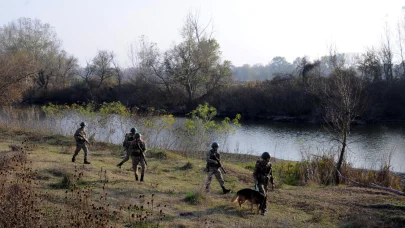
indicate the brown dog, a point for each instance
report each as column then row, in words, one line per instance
column 247, row 194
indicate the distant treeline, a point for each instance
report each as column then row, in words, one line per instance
column 34, row 69
column 281, row 99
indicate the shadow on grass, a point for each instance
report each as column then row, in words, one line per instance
column 225, row 210
column 382, row 220
column 57, row 140
column 187, row 166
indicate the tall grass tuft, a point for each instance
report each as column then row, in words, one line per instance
column 193, row 198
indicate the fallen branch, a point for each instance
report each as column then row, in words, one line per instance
column 388, row 189
column 372, row 185
column 387, row 206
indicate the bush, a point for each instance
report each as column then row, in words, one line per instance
column 159, row 154
column 193, row 198
column 64, row 183
column 288, row 172
column 250, row 167
column 187, row 166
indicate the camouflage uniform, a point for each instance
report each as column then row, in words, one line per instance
column 80, row 138
column 262, row 174
column 213, row 168
column 136, row 147
column 127, row 141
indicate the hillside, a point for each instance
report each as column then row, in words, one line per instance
column 40, row 186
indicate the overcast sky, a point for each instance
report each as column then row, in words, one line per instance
column 249, row 31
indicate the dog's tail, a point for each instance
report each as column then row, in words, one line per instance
column 235, row 198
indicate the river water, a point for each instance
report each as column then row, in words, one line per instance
column 369, row 145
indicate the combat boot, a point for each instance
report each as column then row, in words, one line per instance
column 136, row 177
column 142, row 178
column 263, row 207
column 73, row 159
column 119, row 165
column 86, row 162
column 225, row 190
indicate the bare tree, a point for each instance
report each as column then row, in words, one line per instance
column 369, row 64
column 87, row 73
column 195, row 64
column 400, row 44
column 387, row 54
column 148, row 67
column 47, row 70
column 103, row 67
column 341, row 96
column 119, row 75
column 66, row 66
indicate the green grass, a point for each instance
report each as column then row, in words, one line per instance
column 193, row 198
column 172, row 194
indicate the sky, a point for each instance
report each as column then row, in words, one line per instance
column 248, row 31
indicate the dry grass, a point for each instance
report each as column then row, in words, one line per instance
column 40, row 186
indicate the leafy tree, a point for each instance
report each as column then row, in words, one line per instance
column 201, row 128
column 39, row 42
column 15, row 70
column 280, row 65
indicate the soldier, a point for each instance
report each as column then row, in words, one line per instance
column 81, row 140
column 128, row 138
column 263, row 174
column 213, row 168
column 136, row 150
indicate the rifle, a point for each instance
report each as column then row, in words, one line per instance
column 87, row 141
column 142, row 155
column 220, row 164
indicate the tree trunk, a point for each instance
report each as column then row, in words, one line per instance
column 403, row 69
column 341, row 156
column 190, row 97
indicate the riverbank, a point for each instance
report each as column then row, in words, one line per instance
column 72, row 193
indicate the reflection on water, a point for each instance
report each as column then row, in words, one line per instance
column 368, row 144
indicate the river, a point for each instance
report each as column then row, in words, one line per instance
column 368, row 146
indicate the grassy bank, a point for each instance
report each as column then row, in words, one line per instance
column 41, row 186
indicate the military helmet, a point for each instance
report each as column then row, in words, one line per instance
column 214, row 145
column 83, row 124
column 138, row 135
column 265, row 155
column 133, row 130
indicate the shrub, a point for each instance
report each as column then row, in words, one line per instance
column 193, row 198
column 250, row 167
column 187, row 166
column 64, row 183
column 287, row 172
column 159, row 154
